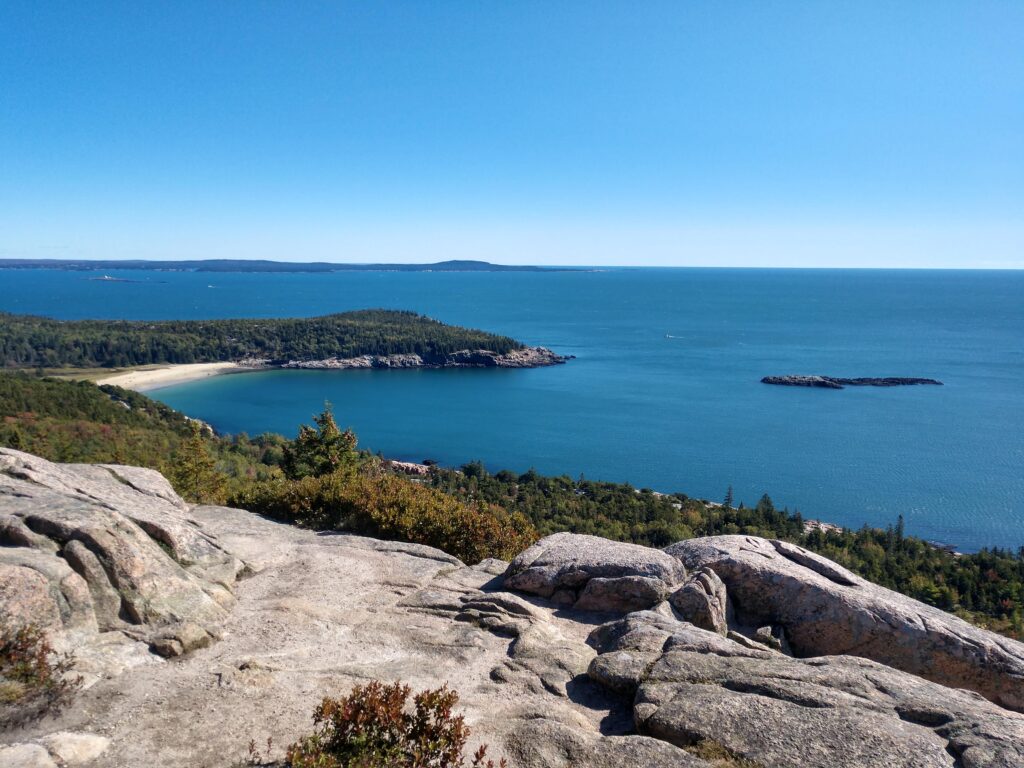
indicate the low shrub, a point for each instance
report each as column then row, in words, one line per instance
column 391, row 507
column 375, row 726
column 34, row 679
column 387, row 506
column 312, row 502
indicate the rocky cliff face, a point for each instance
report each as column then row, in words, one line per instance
column 581, row 652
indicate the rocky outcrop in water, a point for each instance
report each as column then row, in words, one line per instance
column 832, row 382
column 727, row 651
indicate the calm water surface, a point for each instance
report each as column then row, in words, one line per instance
column 665, row 389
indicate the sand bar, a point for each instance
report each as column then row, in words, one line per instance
column 145, row 379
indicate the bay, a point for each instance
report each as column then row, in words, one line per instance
column 664, row 391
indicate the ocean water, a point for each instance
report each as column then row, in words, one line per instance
column 665, row 390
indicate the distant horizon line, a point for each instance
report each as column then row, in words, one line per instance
column 468, row 265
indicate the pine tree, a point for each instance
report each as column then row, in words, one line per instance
column 15, row 439
column 193, row 471
column 319, row 451
column 728, row 499
column 117, row 452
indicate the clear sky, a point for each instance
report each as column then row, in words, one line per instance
column 693, row 133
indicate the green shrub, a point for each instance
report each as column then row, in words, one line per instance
column 391, row 507
column 312, row 502
column 375, row 727
column 34, row 679
column 193, row 471
column 319, row 450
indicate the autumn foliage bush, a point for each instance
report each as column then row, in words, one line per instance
column 391, row 507
column 375, row 726
column 34, row 679
column 387, row 506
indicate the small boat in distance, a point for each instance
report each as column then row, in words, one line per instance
column 110, row 279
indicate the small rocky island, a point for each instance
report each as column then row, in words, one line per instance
column 832, row 382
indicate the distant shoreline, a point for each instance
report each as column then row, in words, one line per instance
column 266, row 266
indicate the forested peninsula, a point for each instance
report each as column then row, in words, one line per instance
column 364, row 338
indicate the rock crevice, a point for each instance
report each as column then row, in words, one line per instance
column 118, row 552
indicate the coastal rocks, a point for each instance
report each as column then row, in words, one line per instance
column 543, row 660
column 704, row 602
column 26, row 756
column 256, row 363
column 527, row 357
column 65, row 589
column 621, row 594
column 710, row 695
column 409, row 468
column 831, row 382
column 543, row 742
column 75, row 748
column 322, row 612
column 825, row 610
column 95, row 549
column 539, row 678
column 363, row 361
column 591, row 573
column 63, row 749
column 503, row 613
column 25, row 597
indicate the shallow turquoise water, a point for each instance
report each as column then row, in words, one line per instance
column 665, row 389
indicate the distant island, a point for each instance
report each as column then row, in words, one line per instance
column 374, row 338
column 260, row 265
column 832, row 382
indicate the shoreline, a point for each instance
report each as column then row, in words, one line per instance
column 149, row 379
column 152, row 377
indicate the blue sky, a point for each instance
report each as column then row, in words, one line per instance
column 691, row 133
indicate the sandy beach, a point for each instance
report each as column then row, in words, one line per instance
column 145, row 379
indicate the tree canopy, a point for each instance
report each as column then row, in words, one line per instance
column 28, row 341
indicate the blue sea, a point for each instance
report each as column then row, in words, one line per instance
column 664, row 391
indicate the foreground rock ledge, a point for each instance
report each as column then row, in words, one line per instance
column 554, row 660
column 824, row 610
column 104, row 555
